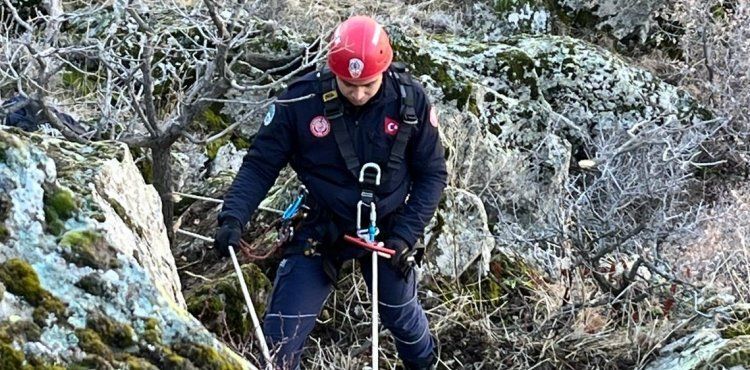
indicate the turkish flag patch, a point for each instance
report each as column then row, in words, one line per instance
column 390, row 126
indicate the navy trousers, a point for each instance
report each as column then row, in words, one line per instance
column 301, row 288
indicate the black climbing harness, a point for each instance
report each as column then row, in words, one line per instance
column 334, row 112
column 370, row 175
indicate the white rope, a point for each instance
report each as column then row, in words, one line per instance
column 253, row 315
column 194, row 235
column 248, row 301
column 219, row 201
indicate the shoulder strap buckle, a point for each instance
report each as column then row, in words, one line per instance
column 409, row 115
column 330, row 95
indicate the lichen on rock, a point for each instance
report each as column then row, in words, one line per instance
column 53, row 282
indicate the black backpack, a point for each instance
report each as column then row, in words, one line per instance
column 31, row 116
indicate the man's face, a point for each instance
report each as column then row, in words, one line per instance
column 359, row 93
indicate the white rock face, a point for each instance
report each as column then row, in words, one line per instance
column 464, row 237
column 138, row 285
column 622, row 16
column 228, row 158
column 133, row 222
column 708, row 347
column 518, row 117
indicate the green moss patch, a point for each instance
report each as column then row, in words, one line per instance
column 420, row 63
column 520, row 69
column 5, row 207
column 219, row 304
column 23, row 330
column 3, row 152
column 213, row 147
column 91, row 362
column 152, row 332
column 50, row 305
column 110, row 342
column 165, row 358
column 137, row 363
column 10, row 358
column 737, row 329
column 88, row 248
column 61, row 202
column 92, row 343
column 20, row 279
column 737, row 355
column 206, row 357
column 113, row 333
column 4, row 233
column 59, row 205
column 48, row 367
column 78, row 81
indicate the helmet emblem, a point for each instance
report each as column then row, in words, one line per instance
column 356, row 67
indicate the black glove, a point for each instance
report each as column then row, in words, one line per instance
column 403, row 260
column 229, row 233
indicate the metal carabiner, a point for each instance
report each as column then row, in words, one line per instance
column 367, row 166
column 371, row 231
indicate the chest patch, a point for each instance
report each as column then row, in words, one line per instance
column 320, row 127
column 390, row 126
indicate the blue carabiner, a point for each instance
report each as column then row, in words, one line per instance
column 372, row 230
column 293, row 208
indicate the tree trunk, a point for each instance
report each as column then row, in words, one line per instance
column 162, row 177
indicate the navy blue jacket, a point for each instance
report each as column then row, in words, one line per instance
column 292, row 133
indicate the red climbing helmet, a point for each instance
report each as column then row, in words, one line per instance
column 360, row 49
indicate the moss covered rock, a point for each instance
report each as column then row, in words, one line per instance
column 92, row 343
column 93, row 284
column 20, row 279
column 22, row 330
column 5, row 204
column 61, row 203
column 206, row 357
column 47, row 272
column 10, row 358
column 220, row 304
column 113, row 333
column 88, row 248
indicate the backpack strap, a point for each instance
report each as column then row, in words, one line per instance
column 408, row 116
column 334, row 113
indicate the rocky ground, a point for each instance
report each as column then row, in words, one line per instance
column 594, row 216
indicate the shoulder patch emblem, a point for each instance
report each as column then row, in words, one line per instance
column 269, row 115
column 433, row 117
column 320, row 127
column 390, row 126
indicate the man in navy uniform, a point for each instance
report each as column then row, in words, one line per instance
column 364, row 110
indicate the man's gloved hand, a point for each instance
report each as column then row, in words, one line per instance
column 229, row 233
column 403, row 260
